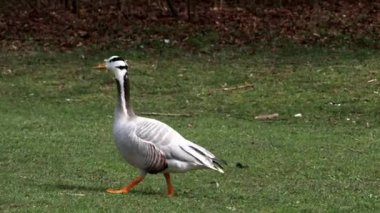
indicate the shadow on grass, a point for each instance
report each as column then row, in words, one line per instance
column 137, row 192
column 60, row 186
column 73, row 187
column 78, row 187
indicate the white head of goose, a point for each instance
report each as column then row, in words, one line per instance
column 148, row 144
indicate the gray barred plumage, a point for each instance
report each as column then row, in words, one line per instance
column 155, row 161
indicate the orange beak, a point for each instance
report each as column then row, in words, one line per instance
column 101, row 66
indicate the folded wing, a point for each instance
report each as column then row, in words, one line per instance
column 163, row 144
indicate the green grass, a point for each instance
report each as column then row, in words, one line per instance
column 57, row 151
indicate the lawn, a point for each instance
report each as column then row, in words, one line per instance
column 57, row 150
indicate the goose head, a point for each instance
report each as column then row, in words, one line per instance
column 117, row 65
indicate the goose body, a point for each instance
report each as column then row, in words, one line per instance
column 148, row 144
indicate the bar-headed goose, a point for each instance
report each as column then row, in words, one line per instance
column 148, row 144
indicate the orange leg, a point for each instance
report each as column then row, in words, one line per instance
column 170, row 185
column 125, row 189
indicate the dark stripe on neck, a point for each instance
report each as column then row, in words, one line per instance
column 118, row 89
column 126, row 95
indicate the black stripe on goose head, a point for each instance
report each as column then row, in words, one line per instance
column 115, row 58
column 122, row 67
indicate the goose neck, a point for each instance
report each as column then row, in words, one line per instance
column 124, row 105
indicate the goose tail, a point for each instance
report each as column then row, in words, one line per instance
column 218, row 165
column 203, row 157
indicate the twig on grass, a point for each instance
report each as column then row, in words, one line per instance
column 267, row 116
column 167, row 114
column 355, row 150
column 238, row 87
